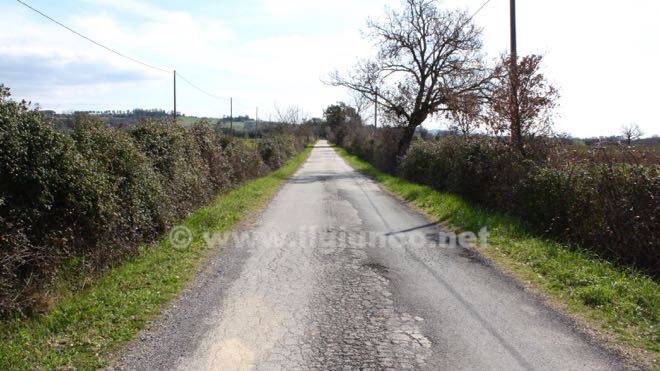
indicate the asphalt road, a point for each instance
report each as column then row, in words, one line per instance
column 336, row 273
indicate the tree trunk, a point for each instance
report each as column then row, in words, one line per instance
column 406, row 138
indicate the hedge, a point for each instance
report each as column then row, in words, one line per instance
column 610, row 207
column 83, row 199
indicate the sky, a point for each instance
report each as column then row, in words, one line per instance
column 602, row 55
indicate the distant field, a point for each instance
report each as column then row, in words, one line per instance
column 190, row 120
column 237, row 126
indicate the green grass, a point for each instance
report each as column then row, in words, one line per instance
column 620, row 304
column 192, row 120
column 249, row 143
column 85, row 328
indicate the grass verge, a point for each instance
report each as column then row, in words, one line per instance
column 619, row 305
column 85, row 328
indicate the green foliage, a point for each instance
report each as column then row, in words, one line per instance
column 54, row 205
column 85, row 328
column 378, row 146
column 245, row 161
column 213, row 157
column 176, row 157
column 341, row 119
column 275, row 150
column 80, row 200
column 609, row 208
column 138, row 198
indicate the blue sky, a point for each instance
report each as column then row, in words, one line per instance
column 602, row 55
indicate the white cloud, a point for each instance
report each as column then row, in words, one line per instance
column 62, row 64
column 307, row 8
column 601, row 54
column 139, row 8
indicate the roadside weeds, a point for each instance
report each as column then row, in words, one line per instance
column 85, row 328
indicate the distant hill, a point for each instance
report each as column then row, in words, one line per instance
column 133, row 117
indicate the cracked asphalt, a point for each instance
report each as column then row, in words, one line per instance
column 336, row 273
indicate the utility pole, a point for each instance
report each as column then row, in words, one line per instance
column 231, row 115
column 376, row 108
column 514, row 47
column 516, row 130
column 174, row 112
column 256, row 121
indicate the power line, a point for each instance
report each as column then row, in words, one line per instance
column 123, row 55
column 92, row 41
column 481, row 7
column 198, row 88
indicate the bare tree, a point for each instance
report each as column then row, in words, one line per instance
column 426, row 56
column 291, row 115
column 363, row 107
column 631, row 132
column 529, row 112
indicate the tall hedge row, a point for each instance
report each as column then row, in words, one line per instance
column 611, row 208
column 84, row 199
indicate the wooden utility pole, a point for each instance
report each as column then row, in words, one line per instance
column 516, row 130
column 376, row 108
column 256, row 120
column 231, row 115
column 514, row 47
column 174, row 112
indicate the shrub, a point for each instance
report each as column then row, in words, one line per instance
column 377, row 146
column 210, row 145
column 177, row 158
column 81, row 199
column 140, row 205
column 52, row 204
column 246, row 163
column 611, row 209
column 276, row 150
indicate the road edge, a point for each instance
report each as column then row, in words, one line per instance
column 591, row 328
column 90, row 329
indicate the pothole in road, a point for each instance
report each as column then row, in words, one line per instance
column 381, row 269
column 471, row 256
